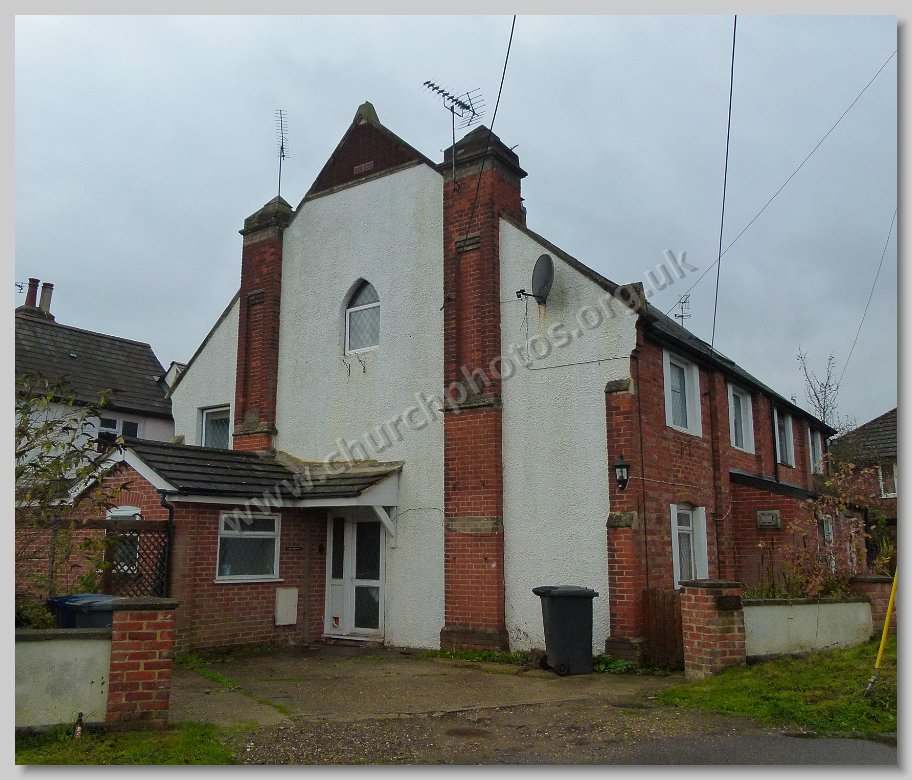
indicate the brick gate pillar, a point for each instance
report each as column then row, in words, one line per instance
column 142, row 651
column 712, row 619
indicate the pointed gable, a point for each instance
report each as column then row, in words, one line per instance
column 366, row 150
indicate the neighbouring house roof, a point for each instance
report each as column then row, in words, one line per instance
column 90, row 362
column 873, row 442
column 664, row 328
column 204, row 471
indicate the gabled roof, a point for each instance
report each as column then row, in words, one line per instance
column 90, row 362
column 205, row 471
column 873, row 442
column 367, row 150
column 663, row 328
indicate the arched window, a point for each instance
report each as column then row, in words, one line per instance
column 362, row 319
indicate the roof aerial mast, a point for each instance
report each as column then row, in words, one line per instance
column 282, row 141
column 469, row 107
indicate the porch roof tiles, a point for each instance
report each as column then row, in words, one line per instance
column 206, row 471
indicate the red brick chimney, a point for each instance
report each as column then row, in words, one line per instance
column 35, row 307
column 258, row 326
column 486, row 184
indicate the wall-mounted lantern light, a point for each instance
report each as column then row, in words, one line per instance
column 622, row 473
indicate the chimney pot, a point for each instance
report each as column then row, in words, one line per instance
column 31, row 297
column 47, row 290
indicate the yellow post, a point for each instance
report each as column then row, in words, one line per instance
column 883, row 636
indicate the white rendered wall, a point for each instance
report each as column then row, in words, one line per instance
column 58, row 678
column 208, row 381
column 388, row 231
column 787, row 628
column 556, row 467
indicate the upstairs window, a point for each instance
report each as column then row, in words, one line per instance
column 815, row 448
column 362, row 320
column 887, row 480
column 109, row 428
column 785, row 449
column 682, row 394
column 215, row 427
column 740, row 419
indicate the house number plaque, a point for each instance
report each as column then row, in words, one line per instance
column 769, row 519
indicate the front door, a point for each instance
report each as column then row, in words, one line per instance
column 354, row 574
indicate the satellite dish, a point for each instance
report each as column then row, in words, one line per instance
column 542, row 277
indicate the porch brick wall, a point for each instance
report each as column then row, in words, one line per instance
column 228, row 614
column 713, row 637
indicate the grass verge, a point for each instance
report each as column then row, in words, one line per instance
column 188, row 743
column 820, row 693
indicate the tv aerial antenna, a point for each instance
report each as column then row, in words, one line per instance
column 684, row 304
column 281, row 124
column 467, row 107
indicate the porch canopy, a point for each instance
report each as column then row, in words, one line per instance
column 260, row 481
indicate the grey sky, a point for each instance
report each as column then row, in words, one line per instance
column 142, row 143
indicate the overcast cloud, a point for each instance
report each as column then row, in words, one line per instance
column 142, row 143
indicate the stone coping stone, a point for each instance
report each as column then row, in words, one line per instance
column 871, row 578
column 45, row 634
column 789, row 602
column 123, row 603
column 711, row 584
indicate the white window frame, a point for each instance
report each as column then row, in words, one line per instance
column 747, row 434
column 815, row 436
column 204, row 413
column 126, row 513
column 117, row 430
column 233, row 533
column 348, row 313
column 790, row 436
column 691, row 394
column 884, row 494
column 698, row 527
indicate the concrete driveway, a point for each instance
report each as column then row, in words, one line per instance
column 355, row 683
column 357, row 705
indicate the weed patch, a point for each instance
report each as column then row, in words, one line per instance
column 188, row 743
column 819, row 692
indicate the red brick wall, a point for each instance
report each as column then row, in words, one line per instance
column 473, row 466
column 225, row 614
column 758, row 552
column 668, row 466
column 713, row 636
column 877, row 589
column 258, row 327
column 139, row 682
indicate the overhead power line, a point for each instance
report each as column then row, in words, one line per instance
column 792, row 176
column 870, row 296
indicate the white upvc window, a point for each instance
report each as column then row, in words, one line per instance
column 785, row 447
column 887, row 472
column 362, row 320
column 215, row 427
column 248, row 547
column 682, row 394
column 815, row 448
column 124, row 553
column 741, row 418
column 688, row 543
column 112, row 427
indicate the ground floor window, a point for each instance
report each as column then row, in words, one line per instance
column 688, row 543
column 248, row 547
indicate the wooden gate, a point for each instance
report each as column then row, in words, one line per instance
column 664, row 637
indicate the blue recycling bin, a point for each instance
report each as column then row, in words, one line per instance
column 83, row 610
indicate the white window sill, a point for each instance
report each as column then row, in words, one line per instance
column 246, row 580
column 698, row 434
column 362, row 351
column 888, row 495
column 741, row 449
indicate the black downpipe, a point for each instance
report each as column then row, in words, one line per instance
column 169, row 543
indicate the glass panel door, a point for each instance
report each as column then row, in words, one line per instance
column 354, row 602
column 368, row 538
